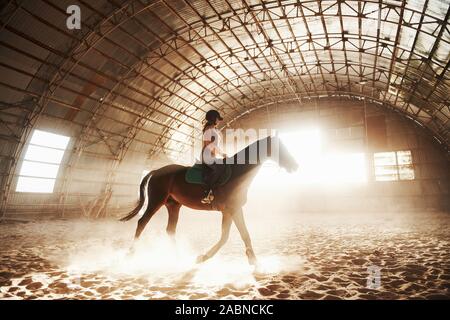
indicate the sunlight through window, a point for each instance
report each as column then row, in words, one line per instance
column 316, row 166
column 41, row 162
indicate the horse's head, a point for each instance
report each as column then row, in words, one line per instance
column 285, row 159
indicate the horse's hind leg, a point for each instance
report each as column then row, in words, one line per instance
column 155, row 201
column 151, row 210
column 173, row 208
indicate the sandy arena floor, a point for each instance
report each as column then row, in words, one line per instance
column 306, row 256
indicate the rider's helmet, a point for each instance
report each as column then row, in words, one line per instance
column 212, row 115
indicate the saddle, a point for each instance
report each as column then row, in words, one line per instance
column 194, row 175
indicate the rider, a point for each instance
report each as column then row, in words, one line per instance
column 211, row 151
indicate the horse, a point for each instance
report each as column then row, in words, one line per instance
column 167, row 186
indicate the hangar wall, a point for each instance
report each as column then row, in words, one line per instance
column 341, row 122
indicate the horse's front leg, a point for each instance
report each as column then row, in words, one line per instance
column 238, row 218
column 226, row 224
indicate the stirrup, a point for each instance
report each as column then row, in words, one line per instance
column 209, row 198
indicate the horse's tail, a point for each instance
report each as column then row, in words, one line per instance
column 141, row 202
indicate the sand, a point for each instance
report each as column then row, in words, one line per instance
column 302, row 256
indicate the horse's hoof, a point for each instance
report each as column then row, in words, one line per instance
column 253, row 261
column 251, row 257
column 201, row 258
column 131, row 251
column 257, row 269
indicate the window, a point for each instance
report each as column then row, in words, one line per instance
column 41, row 162
column 393, row 166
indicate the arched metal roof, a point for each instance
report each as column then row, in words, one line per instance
column 148, row 70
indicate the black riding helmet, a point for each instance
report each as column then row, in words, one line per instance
column 212, row 115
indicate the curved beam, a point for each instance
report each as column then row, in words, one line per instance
column 289, row 98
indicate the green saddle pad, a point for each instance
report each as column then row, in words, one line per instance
column 194, row 175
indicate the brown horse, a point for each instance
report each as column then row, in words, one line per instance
column 167, row 186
